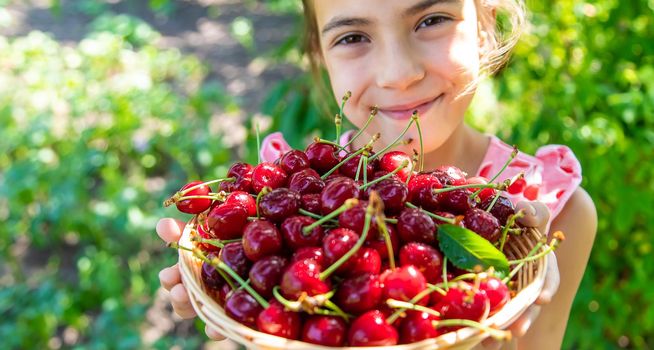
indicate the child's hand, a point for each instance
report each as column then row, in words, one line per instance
column 536, row 215
column 170, row 230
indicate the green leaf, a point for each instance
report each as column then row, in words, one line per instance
column 466, row 249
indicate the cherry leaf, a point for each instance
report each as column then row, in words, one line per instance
column 466, row 249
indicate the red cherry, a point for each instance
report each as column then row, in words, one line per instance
column 277, row 321
column 418, row 326
column 393, row 159
column 261, row 238
column 267, row 175
column 295, row 238
column 311, row 203
column 414, row 225
column 371, row 329
column 324, row 330
column 456, row 201
column 242, row 172
column 393, row 193
column 204, row 232
column 279, row 204
column 464, row 302
column 233, row 256
column 403, row 283
column 243, row 308
column 360, row 293
column 227, row 221
column 195, row 205
column 354, row 219
column 454, row 175
column 484, row 193
column 243, row 199
column 306, row 181
column 336, row 193
column 303, row 276
column 294, row 161
column 210, row 276
column 425, row 258
column 365, row 260
column 336, row 243
column 378, row 242
column 266, row 274
column 421, row 192
column 483, row 223
column 350, row 167
column 314, row 253
column 502, row 209
column 322, row 156
column 497, row 292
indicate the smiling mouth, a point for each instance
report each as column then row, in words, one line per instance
column 404, row 112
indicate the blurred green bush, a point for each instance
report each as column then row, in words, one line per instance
column 95, row 136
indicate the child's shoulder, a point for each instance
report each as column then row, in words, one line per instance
column 552, row 175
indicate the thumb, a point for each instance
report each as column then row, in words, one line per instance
column 170, row 230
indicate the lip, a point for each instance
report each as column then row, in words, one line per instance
column 405, row 111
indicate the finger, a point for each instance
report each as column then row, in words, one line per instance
column 212, row 333
column 489, row 344
column 520, row 326
column 536, row 214
column 552, row 280
column 170, row 230
column 181, row 303
column 169, row 277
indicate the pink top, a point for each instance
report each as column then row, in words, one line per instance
column 551, row 176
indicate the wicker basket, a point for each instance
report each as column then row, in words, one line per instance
column 529, row 284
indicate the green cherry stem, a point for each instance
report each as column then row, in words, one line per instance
column 381, row 223
column 324, row 176
column 447, row 287
column 497, row 334
column 416, row 119
column 309, row 214
column 338, row 120
column 435, row 216
column 359, row 166
column 397, row 140
column 220, row 243
column 347, row 205
column 509, row 223
column 498, row 186
column 179, row 195
column 365, row 169
column 514, row 153
column 264, row 191
column 403, row 306
column 258, row 134
column 373, row 113
column 382, row 178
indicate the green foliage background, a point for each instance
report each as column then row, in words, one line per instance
column 94, row 137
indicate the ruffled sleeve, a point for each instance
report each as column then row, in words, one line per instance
column 273, row 146
column 551, row 176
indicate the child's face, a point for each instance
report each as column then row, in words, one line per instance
column 401, row 56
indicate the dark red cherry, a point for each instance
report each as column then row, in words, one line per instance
column 242, row 172
column 279, row 204
column 365, row 260
column 266, row 274
column 311, row 203
column 456, row 201
column 502, row 209
column 497, row 292
column 354, row 219
column 233, row 256
column 324, row 330
column 277, row 321
column 294, row 161
column 380, row 173
column 227, row 221
column 336, row 193
column 210, row 275
column 378, row 242
column 455, row 176
column 243, row 199
column 302, row 276
column 336, row 243
column 371, row 329
column 243, row 308
column 222, row 293
column 267, row 175
column 306, row 181
column 314, row 253
column 261, row 238
column 350, row 167
column 483, row 223
column 421, row 192
column 322, row 156
column 414, row 225
column 359, row 294
column 393, row 193
column 417, row 326
column 403, row 283
column 393, row 159
column 425, row 258
column 195, row 205
column 295, row 238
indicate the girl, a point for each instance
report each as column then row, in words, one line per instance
column 429, row 55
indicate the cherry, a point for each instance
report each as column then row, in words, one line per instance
column 360, row 293
column 314, row 253
column 277, row 321
column 311, row 203
column 450, row 175
column 464, row 302
column 261, row 238
column 194, row 205
column 233, row 255
column 421, row 192
column 227, row 221
column 484, row 193
column 393, row 159
column 456, row 201
column 322, row 156
column 210, row 276
column 302, row 277
column 221, row 295
column 378, row 242
column 294, row 161
column 380, row 173
column 354, row 219
column 483, row 223
column 502, row 209
column 244, row 199
column 425, row 258
column 371, row 329
column 267, row 175
column 266, row 274
column 306, row 181
column 243, row 308
column 295, row 238
column 350, row 167
column 365, row 260
column 336, row 243
column 414, row 225
column 336, row 193
column 417, row 326
column 279, row 204
column 393, row 193
column 242, row 172
column 204, row 232
column 497, row 292
column 403, row 283
column 443, row 214
column 324, row 330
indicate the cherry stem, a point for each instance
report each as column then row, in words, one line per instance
column 390, row 220
column 220, row 243
column 373, row 113
column 365, row 169
column 510, row 222
column 415, row 118
column 435, row 216
column 403, row 306
column 347, row 205
column 264, row 191
column 309, row 214
column 414, row 160
column 514, row 153
column 356, row 177
column 430, row 289
column 531, row 257
column 179, row 195
column 497, row 186
column 497, row 334
column 382, row 178
column 258, row 135
column 447, row 286
column 319, row 140
column 366, row 226
column 219, row 265
column 338, row 120
column 381, row 222
column 398, row 139
column 294, row 306
column 324, row 176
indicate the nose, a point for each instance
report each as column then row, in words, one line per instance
column 399, row 67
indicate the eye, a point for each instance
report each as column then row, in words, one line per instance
column 351, row 39
column 432, row 21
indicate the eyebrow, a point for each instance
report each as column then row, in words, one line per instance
column 359, row 21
